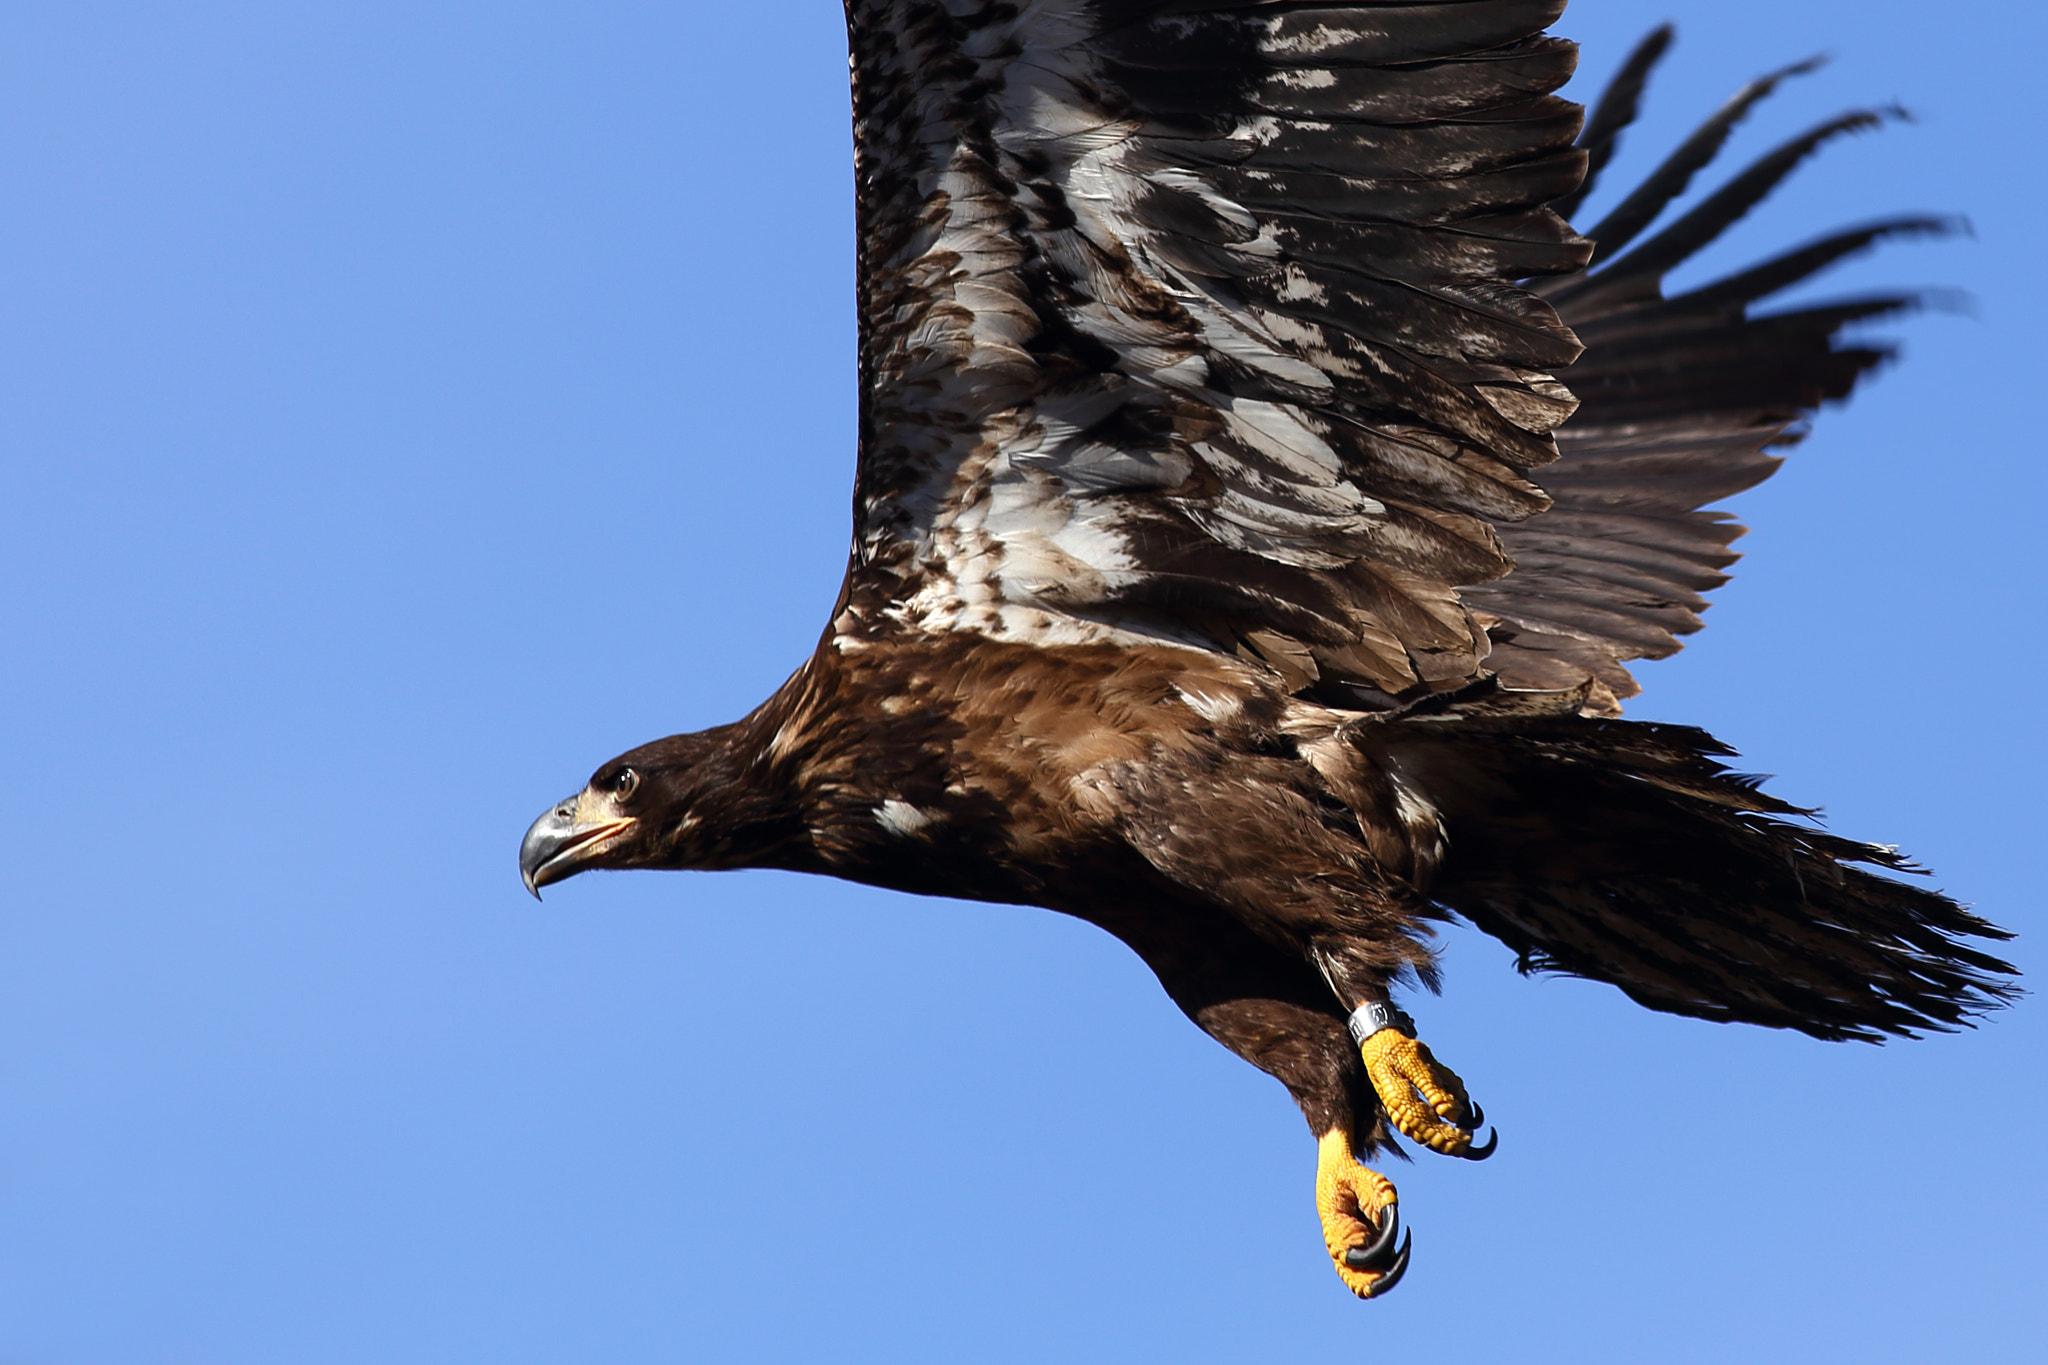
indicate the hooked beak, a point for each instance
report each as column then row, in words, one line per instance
column 564, row 841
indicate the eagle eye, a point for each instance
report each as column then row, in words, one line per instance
column 623, row 784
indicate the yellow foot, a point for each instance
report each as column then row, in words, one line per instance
column 1359, row 1220
column 1423, row 1098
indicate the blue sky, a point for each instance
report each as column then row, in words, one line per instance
column 409, row 406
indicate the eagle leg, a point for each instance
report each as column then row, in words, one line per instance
column 1423, row 1098
column 1360, row 1220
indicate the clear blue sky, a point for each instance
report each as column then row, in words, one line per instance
column 406, row 407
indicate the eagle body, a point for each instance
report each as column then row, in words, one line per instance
column 1238, row 839
column 1262, row 488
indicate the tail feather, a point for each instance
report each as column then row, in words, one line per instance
column 1629, row 853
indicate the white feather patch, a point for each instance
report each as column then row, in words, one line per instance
column 901, row 818
column 1215, row 710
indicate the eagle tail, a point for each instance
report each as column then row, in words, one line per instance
column 1629, row 853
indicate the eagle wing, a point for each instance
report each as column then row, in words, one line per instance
column 1199, row 321
column 1237, row 325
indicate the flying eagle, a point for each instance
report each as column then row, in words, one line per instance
column 1261, row 489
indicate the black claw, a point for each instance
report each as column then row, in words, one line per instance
column 1478, row 1115
column 1394, row 1271
column 1481, row 1153
column 1373, row 1255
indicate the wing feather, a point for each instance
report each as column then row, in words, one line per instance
column 1242, row 325
column 1202, row 322
column 1683, row 401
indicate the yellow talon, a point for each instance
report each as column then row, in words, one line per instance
column 1423, row 1098
column 1357, row 1206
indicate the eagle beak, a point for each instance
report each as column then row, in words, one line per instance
column 564, row 841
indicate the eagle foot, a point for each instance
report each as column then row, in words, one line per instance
column 1360, row 1220
column 1424, row 1099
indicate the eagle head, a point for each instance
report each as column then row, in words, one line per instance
column 669, row 804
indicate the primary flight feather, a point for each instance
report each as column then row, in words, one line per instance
column 1261, row 490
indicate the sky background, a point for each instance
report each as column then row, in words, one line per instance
column 404, row 407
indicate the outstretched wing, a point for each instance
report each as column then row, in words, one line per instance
column 1198, row 320
column 1682, row 400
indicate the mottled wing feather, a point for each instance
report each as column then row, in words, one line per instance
column 1200, row 321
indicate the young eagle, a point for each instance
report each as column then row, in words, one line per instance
column 1261, row 487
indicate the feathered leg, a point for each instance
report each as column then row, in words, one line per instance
column 1285, row 1013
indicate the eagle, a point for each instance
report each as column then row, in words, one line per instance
column 1262, row 488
